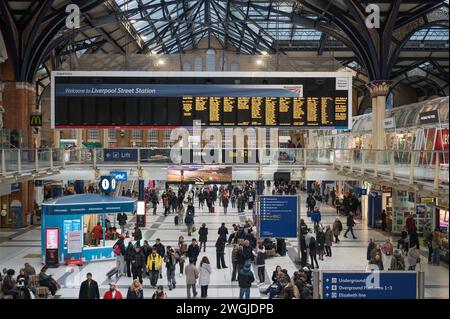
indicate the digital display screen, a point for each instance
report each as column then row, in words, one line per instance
column 51, row 238
column 199, row 174
column 124, row 101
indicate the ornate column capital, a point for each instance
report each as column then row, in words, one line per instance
column 379, row 87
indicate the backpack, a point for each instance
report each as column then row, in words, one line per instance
column 116, row 249
column 188, row 219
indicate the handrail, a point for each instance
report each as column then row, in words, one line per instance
column 412, row 165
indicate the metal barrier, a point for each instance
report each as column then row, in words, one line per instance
column 412, row 166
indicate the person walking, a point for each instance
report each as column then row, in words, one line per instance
column 89, row 288
column 192, row 275
column 245, row 280
column 261, row 262
column 316, row 218
column 122, row 219
column 320, row 243
column 220, row 253
column 154, row 263
column 313, row 252
column 135, row 291
column 203, row 236
column 181, row 253
column 204, row 276
column 436, row 245
column 350, row 224
column 225, row 202
column 137, row 261
column 328, row 241
column 189, row 222
column 127, row 257
column 119, row 250
column 112, row 292
column 193, row 251
column 171, row 261
column 137, row 235
column 161, row 250
column 427, row 240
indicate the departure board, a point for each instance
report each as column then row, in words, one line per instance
column 122, row 99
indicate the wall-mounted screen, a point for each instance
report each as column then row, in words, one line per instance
column 199, row 174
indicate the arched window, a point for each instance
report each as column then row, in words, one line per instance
column 234, row 66
column 198, row 63
column 186, row 66
column 210, row 60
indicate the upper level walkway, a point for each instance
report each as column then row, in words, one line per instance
column 420, row 171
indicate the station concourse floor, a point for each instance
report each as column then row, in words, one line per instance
column 18, row 247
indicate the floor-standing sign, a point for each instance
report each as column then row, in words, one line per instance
column 278, row 216
column 52, row 247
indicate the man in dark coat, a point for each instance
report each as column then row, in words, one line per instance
column 138, row 263
column 89, row 288
column 350, row 224
column 161, row 250
column 223, row 232
column 122, row 219
column 193, row 251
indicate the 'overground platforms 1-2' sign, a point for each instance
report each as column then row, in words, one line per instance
column 364, row 285
column 278, row 216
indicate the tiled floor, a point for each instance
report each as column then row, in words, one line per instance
column 349, row 254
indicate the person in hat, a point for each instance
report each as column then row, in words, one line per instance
column 245, row 279
column 112, row 293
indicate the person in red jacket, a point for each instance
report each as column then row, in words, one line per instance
column 112, row 293
column 98, row 233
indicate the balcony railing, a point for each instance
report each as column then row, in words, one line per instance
column 413, row 166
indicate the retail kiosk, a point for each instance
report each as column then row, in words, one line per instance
column 67, row 224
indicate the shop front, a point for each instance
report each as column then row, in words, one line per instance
column 74, row 219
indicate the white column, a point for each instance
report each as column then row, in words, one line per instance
column 378, row 91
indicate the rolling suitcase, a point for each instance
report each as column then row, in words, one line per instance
column 112, row 272
column 176, row 220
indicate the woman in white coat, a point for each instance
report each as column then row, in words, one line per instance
column 204, row 276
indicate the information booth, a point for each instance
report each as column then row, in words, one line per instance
column 75, row 217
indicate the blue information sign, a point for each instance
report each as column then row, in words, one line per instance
column 391, row 285
column 120, row 155
column 120, row 176
column 107, row 184
column 278, row 216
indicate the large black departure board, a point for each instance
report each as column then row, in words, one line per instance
column 81, row 99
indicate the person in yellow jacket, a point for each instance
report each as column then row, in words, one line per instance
column 154, row 265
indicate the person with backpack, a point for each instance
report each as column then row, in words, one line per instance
column 120, row 250
column 189, row 221
column 261, row 262
column 171, row 261
column 203, row 236
column 245, row 279
column 316, row 218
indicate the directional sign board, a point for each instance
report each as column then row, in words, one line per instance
column 365, row 285
column 278, row 216
column 120, row 176
column 120, row 155
column 107, row 184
